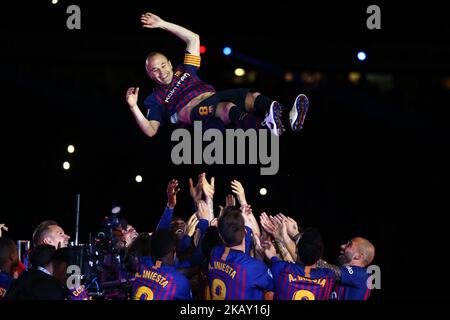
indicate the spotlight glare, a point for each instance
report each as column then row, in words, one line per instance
column 138, row 179
column 354, row 77
column 288, row 77
column 66, row 165
column 263, row 191
column 54, row 1
column 70, row 149
column 227, row 51
column 115, row 210
column 362, row 56
column 239, row 72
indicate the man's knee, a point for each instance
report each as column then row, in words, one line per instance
column 250, row 100
column 223, row 111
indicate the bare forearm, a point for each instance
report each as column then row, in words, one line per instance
column 190, row 38
column 323, row 264
column 290, row 246
column 283, row 251
column 145, row 125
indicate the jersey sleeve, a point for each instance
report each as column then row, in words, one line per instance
column 166, row 219
column 191, row 62
column 263, row 276
column 352, row 277
column 155, row 110
column 277, row 266
column 184, row 291
column 248, row 240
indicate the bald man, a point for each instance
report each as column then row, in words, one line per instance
column 352, row 274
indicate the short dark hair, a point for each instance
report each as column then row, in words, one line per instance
column 210, row 240
column 140, row 247
column 41, row 231
column 310, row 246
column 231, row 226
column 6, row 248
column 162, row 242
column 42, row 255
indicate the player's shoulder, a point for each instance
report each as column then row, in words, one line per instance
column 255, row 265
column 179, row 278
column 154, row 98
column 354, row 271
column 325, row 272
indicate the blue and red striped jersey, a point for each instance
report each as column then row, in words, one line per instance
column 294, row 281
column 79, row 293
column 234, row 275
column 353, row 284
column 166, row 100
column 155, row 281
column 5, row 283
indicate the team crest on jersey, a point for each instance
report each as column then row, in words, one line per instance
column 178, row 73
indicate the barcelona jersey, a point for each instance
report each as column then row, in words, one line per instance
column 155, row 281
column 5, row 282
column 294, row 281
column 234, row 275
column 353, row 284
column 166, row 100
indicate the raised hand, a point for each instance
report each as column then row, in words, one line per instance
column 238, row 190
column 150, row 20
column 230, row 201
column 197, row 191
column 266, row 223
column 280, row 228
column 208, row 187
column 203, row 211
column 172, row 190
column 291, row 225
column 132, row 96
column 191, row 225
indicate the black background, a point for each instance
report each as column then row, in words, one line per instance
column 367, row 163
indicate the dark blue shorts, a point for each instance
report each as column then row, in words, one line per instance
column 207, row 108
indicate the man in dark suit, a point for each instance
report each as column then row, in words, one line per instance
column 38, row 283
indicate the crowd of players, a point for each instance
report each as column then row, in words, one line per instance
column 227, row 255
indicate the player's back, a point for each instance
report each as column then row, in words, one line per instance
column 234, row 275
column 155, row 281
column 294, row 281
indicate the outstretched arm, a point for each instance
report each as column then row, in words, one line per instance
column 166, row 218
column 192, row 40
column 336, row 269
column 149, row 127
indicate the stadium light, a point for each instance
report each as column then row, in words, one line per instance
column 66, row 165
column 239, row 72
column 362, row 56
column 227, row 51
column 263, row 191
column 138, row 179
